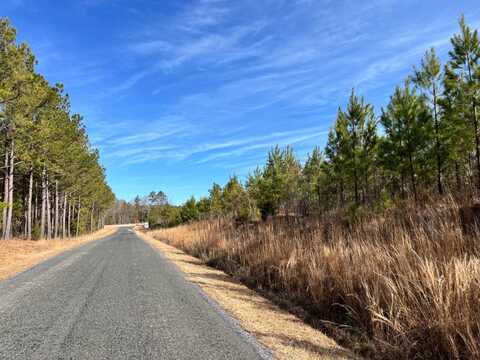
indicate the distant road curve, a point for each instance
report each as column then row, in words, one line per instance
column 116, row 298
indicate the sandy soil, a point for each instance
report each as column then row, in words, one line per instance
column 20, row 255
column 287, row 336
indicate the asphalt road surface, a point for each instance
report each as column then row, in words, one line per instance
column 116, row 298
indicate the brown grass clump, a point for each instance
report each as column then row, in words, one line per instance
column 402, row 286
column 18, row 255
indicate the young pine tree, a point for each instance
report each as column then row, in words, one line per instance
column 312, row 174
column 408, row 127
column 429, row 79
column 465, row 67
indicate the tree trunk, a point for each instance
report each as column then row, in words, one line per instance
column 56, row 224
column 475, row 124
column 43, row 214
column 69, row 222
column 437, row 143
column 477, row 144
column 78, row 217
column 8, row 227
column 29, row 205
column 49, row 213
column 35, row 210
column 25, row 215
column 5, row 191
column 91, row 217
column 99, row 220
column 64, row 216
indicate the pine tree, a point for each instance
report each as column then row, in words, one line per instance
column 465, row 65
column 429, row 79
column 359, row 120
column 189, row 211
column 337, row 157
column 312, row 174
column 216, row 201
column 459, row 143
column 407, row 124
column 235, row 199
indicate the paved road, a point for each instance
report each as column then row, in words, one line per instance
column 116, row 298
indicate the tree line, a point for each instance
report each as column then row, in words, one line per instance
column 54, row 185
column 423, row 145
column 153, row 208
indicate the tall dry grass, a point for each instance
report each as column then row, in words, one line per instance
column 407, row 284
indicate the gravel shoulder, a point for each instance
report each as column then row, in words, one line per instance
column 287, row 336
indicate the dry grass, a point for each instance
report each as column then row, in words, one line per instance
column 20, row 255
column 406, row 285
column 278, row 330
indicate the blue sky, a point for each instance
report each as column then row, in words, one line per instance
column 178, row 94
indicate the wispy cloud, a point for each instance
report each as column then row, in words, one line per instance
column 145, row 137
column 141, row 138
column 203, row 14
column 281, row 141
column 214, row 47
column 211, row 151
column 128, row 83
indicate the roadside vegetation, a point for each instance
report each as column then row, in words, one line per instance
column 53, row 183
column 401, row 286
column 375, row 238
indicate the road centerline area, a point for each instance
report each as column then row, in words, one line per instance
column 113, row 299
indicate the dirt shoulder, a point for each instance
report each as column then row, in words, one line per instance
column 20, row 255
column 287, row 336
